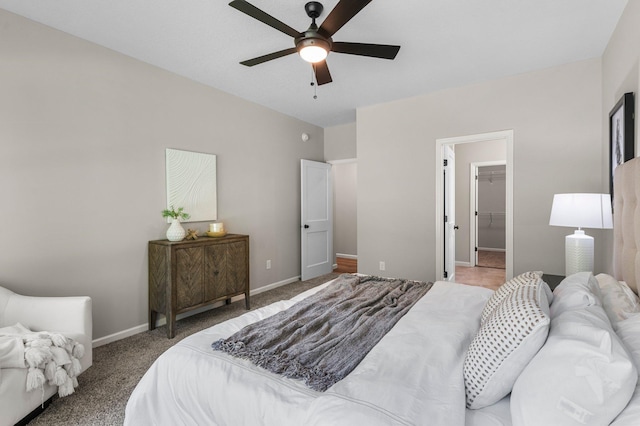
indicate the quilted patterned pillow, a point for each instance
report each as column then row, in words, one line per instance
column 507, row 288
column 505, row 343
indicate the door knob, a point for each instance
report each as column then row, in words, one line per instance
column 456, row 227
column 306, row 226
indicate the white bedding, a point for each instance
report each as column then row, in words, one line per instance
column 413, row 376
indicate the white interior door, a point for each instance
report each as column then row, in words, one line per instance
column 449, row 180
column 316, row 219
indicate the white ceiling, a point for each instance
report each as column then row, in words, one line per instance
column 445, row 43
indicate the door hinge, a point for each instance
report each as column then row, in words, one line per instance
column 446, row 274
column 446, row 219
column 476, row 213
column 445, row 162
column 476, row 248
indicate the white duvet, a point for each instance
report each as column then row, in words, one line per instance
column 413, row 376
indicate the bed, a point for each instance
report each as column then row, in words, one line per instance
column 461, row 355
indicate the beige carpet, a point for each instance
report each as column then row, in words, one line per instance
column 117, row 367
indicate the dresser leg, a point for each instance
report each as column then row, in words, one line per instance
column 152, row 319
column 246, row 300
column 171, row 325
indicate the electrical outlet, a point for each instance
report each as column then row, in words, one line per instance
column 382, row 266
column 269, row 264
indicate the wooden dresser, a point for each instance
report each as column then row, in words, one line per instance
column 186, row 275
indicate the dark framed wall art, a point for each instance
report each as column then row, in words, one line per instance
column 621, row 135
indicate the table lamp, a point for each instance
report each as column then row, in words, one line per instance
column 580, row 211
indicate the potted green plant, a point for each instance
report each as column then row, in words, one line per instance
column 175, row 232
column 176, row 214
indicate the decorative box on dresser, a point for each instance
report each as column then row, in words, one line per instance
column 186, row 275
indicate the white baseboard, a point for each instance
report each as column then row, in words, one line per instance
column 272, row 286
column 119, row 335
column 467, row 264
column 162, row 321
column 347, row 256
column 491, row 249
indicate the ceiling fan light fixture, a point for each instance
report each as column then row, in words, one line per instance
column 314, row 44
column 313, row 54
column 313, row 50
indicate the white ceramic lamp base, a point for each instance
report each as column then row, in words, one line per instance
column 578, row 252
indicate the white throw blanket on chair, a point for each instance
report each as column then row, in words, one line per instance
column 50, row 357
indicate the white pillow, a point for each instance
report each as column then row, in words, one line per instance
column 577, row 291
column 505, row 343
column 629, row 333
column 618, row 300
column 582, row 376
column 507, row 288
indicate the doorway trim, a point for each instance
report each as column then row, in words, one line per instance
column 507, row 136
column 473, row 203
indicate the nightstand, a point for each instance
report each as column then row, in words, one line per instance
column 553, row 280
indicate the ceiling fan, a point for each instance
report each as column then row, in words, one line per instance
column 315, row 43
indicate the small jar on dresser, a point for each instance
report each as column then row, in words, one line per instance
column 186, row 275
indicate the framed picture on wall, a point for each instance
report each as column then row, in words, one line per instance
column 621, row 135
column 191, row 184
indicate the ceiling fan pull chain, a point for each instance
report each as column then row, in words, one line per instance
column 313, row 84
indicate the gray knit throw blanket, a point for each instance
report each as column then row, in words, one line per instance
column 324, row 337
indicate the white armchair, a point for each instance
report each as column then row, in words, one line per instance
column 70, row 316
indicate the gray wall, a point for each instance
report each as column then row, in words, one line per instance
column 345, row 193
column 620, row 74
column 83, row 132
column 340, row 142
column 466, row 154
column 556, row 117
column 340, row 145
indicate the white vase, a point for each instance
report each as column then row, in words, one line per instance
column 176, row 232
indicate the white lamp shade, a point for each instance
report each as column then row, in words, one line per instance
column 582, row 211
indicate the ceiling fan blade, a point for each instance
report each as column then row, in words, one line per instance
column 384, row 51
column 323, row 76
column 264, row 17
column 340, row 15
column 270, row 56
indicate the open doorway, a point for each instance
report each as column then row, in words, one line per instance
column 489, row 213
column 463, row 228
column 345, row 230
